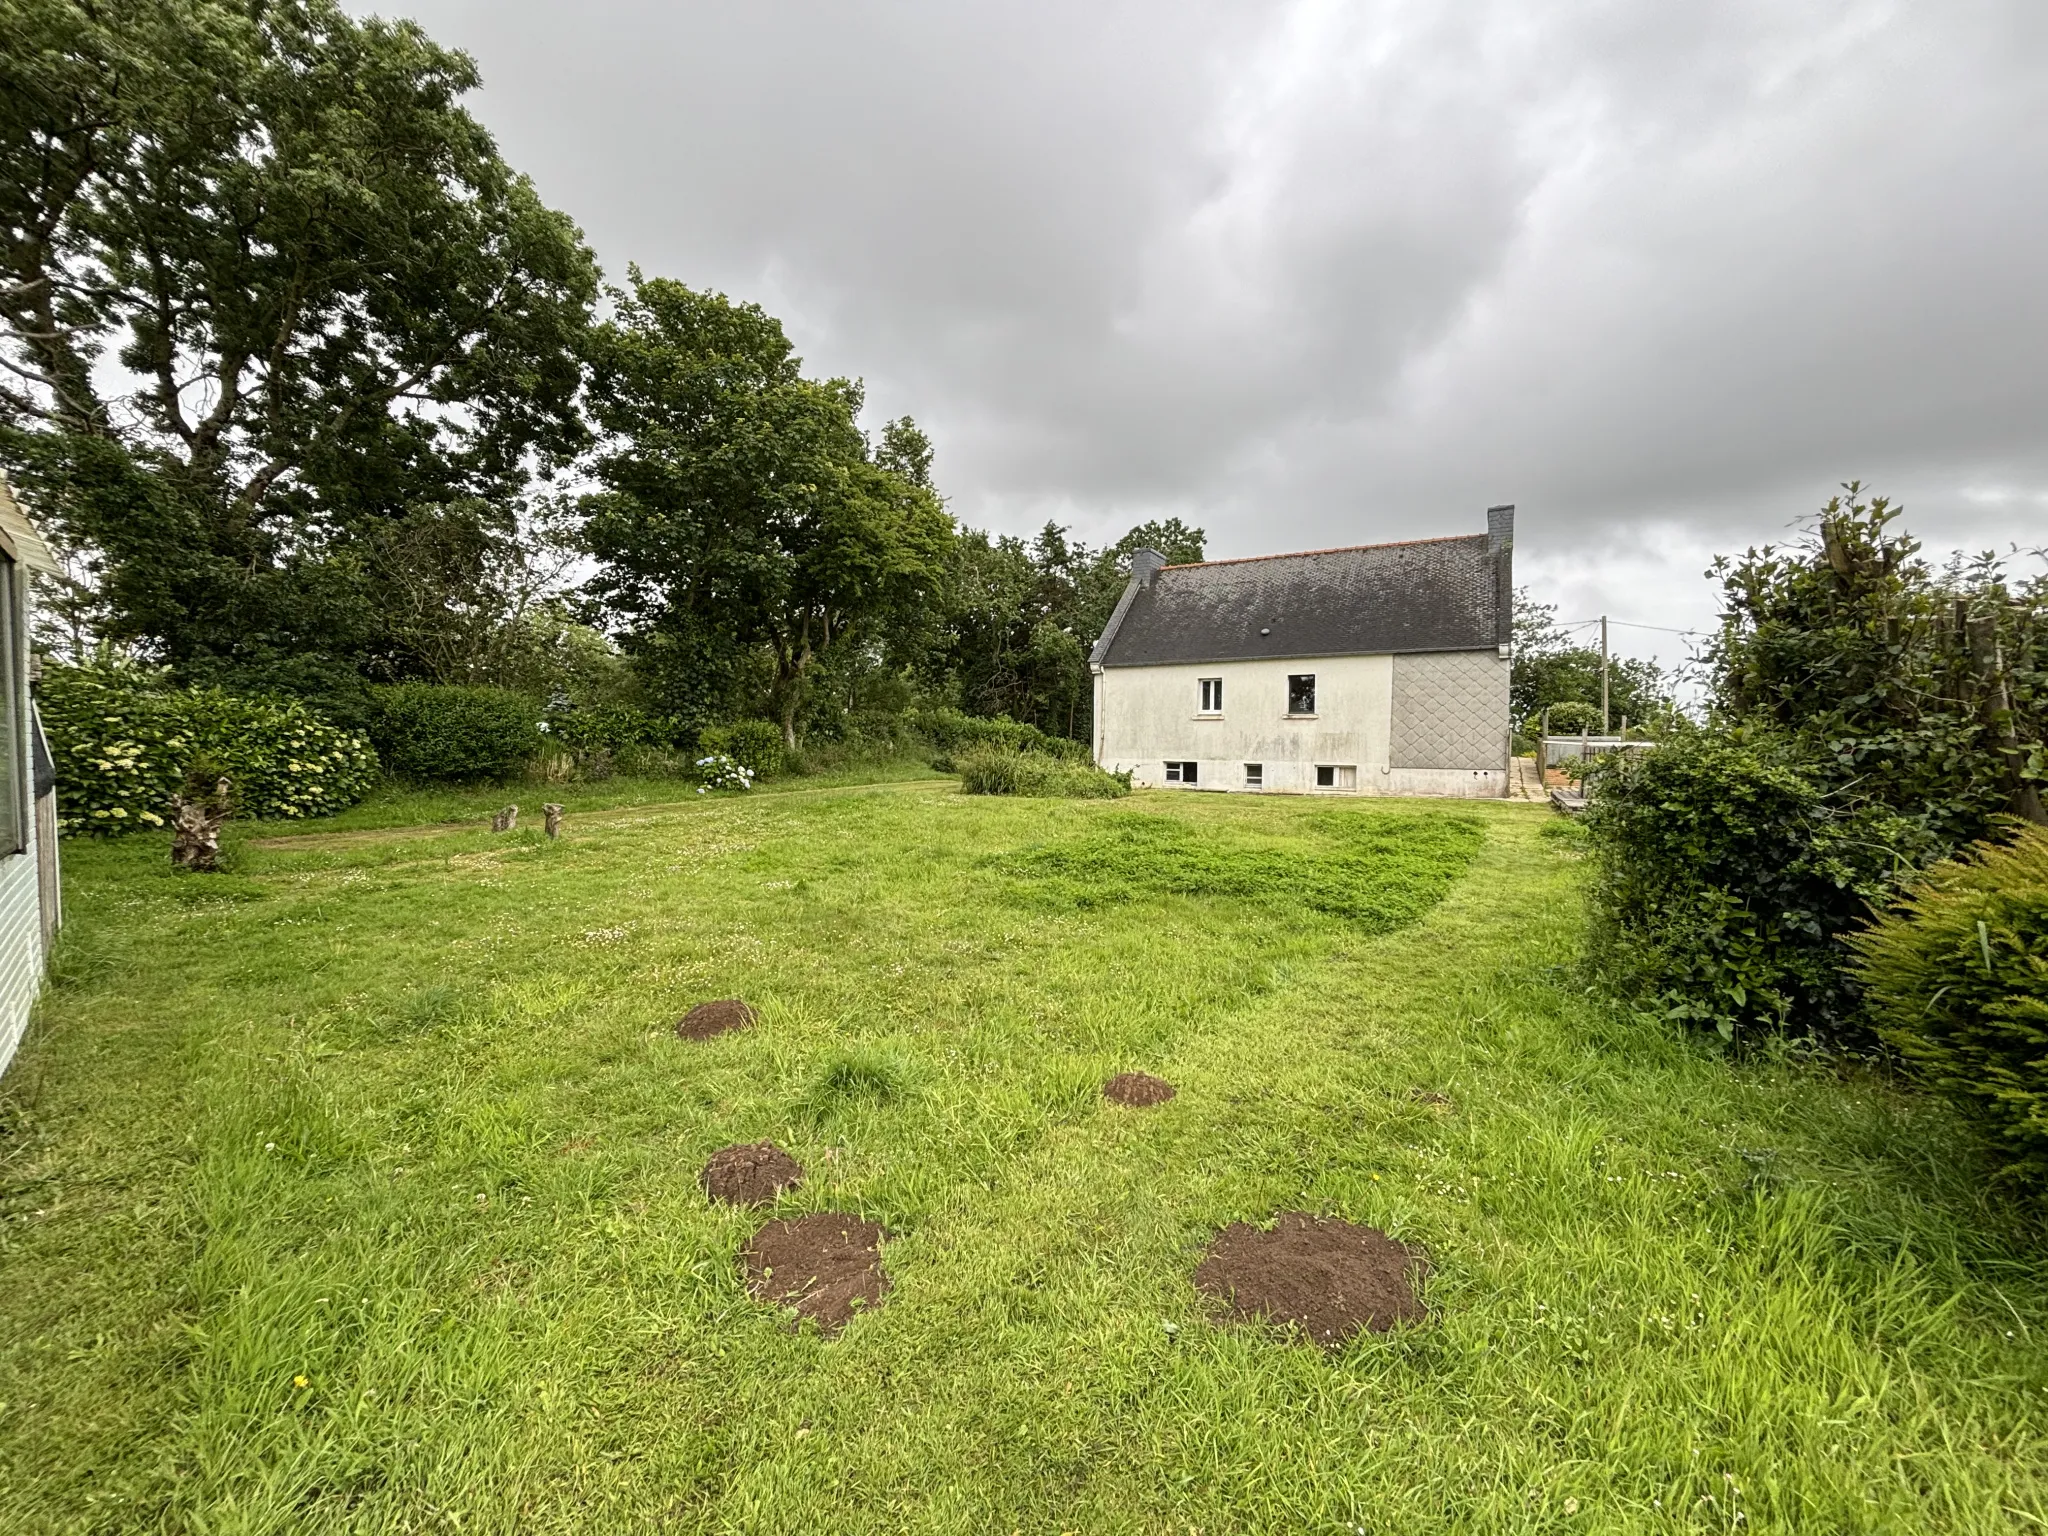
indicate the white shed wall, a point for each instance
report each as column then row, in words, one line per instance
column 21, row 946
column 21, row 907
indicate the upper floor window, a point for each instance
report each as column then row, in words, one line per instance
column 1301, row 693
column 1212, row 695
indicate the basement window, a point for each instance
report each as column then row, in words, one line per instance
column 1336, row 776
column 1180, row 773
column 1212, row 696
column 1301, row 693
column 1254, row 775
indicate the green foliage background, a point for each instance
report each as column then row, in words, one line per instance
column 123, row 739
column 426, row 731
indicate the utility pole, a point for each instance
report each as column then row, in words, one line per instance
column 1603, row 674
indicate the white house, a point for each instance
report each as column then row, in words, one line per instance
column 28, row 802
column 1376, row 670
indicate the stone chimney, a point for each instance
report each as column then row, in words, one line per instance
column 1500, row 544
column 1500, row 528
column 1146, row 564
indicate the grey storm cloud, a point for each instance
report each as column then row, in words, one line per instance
column 1324, row 273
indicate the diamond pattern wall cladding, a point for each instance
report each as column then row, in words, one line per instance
column 1450, row 710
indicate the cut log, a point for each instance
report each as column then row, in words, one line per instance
column 506, row 820
column 195, row 829
column 553, row 813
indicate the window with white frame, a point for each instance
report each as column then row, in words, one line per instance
column 1212, row 695
column 1254, row 775
column 1301, row 693
column 1336, row 776
column 1180, row 773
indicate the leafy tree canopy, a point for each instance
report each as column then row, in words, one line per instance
column 741, row 505
column 1550, row 668
column 271, row 309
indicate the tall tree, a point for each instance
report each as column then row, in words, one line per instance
column 265, row 287
column 741, row 504
column 1025, row 616
column 1550, row 668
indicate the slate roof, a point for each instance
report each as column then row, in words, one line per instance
column 1431, row 595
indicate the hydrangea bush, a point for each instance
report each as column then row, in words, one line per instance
column 122, row 738
column 722, row 772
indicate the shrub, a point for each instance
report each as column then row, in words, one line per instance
column 1725, row 875
column 1570, row 719
column 722, row 772
column 123, row 740
column 754, row 744
column 952, row 734
column 993, row 771
column 611, row 728
column 1956, row 980
column 281, row 758
column 438, row 731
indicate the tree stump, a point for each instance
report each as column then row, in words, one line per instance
column 195, row 829
column 506, row 820
column 553, row 813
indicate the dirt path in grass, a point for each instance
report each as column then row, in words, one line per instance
column 575, row 818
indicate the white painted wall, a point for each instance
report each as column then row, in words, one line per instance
column 21, row 923
column 1148, row 716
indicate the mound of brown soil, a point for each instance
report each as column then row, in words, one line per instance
column 1326, row 1277
column 708, row 1019
column 825, row 1265
column 1137, row 1088
column 753, row 1173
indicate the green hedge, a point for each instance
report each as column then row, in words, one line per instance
column 1726, row 874
column 441, row 731
column 122, row 740
column 994, row 771
column 952, row 734
column 610, row 728
column 1956, row 978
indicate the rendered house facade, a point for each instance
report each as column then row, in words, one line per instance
column 1377, row 670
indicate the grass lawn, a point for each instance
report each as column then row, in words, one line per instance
column 356, row 1190
column 393, row 805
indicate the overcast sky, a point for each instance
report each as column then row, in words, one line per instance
column 1315, row 274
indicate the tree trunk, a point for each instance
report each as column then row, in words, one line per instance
column 195, row 830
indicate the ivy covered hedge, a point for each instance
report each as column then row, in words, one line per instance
column 122, row 739
column 1868, row 716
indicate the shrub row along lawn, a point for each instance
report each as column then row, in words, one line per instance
column 357, row 1190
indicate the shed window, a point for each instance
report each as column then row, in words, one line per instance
column 1180, row 773
column 1212, row 695
column 1301, row 693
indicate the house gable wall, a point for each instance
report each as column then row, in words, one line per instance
column 1149, row 716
